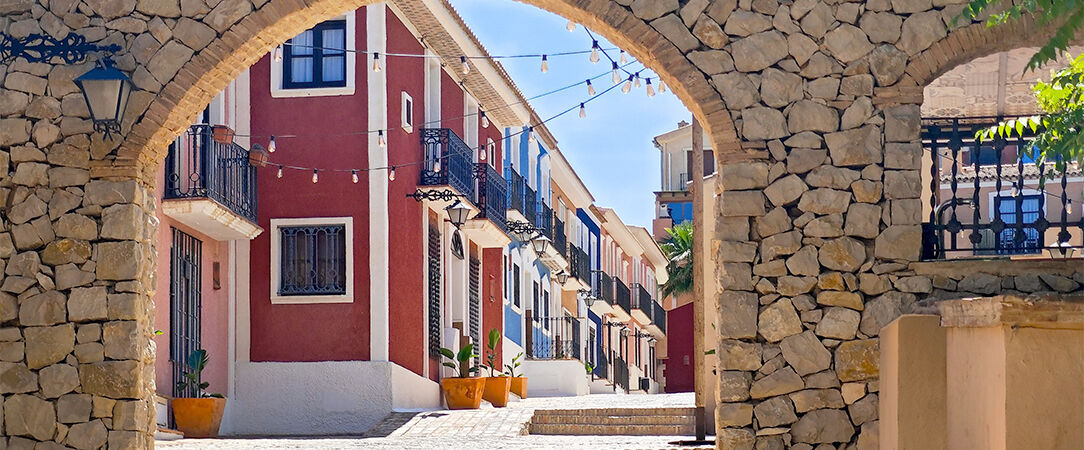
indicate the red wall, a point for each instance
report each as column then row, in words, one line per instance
column 311, row 332
column 451, row 105
column 406, row 255
column 679, row 348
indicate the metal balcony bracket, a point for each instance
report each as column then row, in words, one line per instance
column 435, row 195
column 72, row 49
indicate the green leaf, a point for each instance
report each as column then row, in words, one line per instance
column 466, row 353
column 494, row 338
column 447, row 353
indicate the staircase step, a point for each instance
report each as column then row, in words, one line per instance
column 614, row 420
column 672, row 411
column 613, row 430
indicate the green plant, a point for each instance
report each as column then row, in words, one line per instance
column 1067, row 15
column 460, row 362
column 197, row 361
column 491, row 354
column 679, row 251
column 510, row 369
column 589, row 367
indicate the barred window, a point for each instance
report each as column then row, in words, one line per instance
column 313, row 260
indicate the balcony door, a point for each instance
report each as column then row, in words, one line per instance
column 185, row 301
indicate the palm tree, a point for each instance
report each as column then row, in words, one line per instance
column 679, row 251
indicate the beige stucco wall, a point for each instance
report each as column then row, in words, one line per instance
column 912, row 401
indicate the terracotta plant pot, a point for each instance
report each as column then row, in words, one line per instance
column 222, row 134
column 519, row 386
column 198, row 417
column 496, row 392
column 463, row 393
column 258, row 156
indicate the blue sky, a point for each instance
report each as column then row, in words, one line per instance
column 611, row 149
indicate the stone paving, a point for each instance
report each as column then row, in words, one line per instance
column 488, row 428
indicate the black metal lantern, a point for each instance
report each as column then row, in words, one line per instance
column 562, row 277
column 588, row 300
column 458, row 213
column 106, row 91
column 539, row 244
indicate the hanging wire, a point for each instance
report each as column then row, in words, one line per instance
column 432, row 56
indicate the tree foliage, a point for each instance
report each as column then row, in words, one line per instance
column 1067, row 14
column 679, row 252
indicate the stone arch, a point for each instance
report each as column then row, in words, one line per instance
column 257, row 30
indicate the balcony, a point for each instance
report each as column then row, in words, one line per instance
column 658, row 320
column 448, row 161
column 641, row 304
column 560, row 241
column 987, row 199
column 211, row 186
column 602, row 289
column 530, row 205
column 516, row 189
column 554, row 338
column 622, row 301
column 545, row 221
column 489, row 228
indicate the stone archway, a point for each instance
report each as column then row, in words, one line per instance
column 823, row 94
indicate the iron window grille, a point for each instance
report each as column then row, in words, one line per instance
column 313, row 260
column 434, row 279
column 316, row 58
column 186, row 300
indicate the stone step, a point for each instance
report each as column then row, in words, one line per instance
column 613, row 430
column 594, row 419
column 619, row 411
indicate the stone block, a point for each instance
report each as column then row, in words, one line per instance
column 48, row 345
column 857, row 360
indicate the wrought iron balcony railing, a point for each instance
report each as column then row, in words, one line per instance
column 621, row 373
column 491, row 197
column 560, row 241
column 516, row 185
column 641, row 299
column 530, row 205
column 448, row 161
column 545, row 219
column 602, row 286
column 198, row 166
column 623, row 295
column 658, row 316
column 580, row 264
column 990, row 198
column 555, row 338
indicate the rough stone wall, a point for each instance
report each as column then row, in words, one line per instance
column 823, row 93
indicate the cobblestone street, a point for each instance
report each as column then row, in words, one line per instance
column 486, row 428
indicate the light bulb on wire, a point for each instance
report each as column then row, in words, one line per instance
column 662, row 86
column 650, row 89
column 594, row 52
column 278, row 54
column 279, row 175
column 583, row 111
column 624, row 58
column 271, row 145
column 376, row 61
column 436, row 165
column 485, row 120
column 530, row 135
column 571, row 26
column 466, row 66
column 628, row 86
column 637, row 78
column 545, row 64
column 391, row 173
column 616, row 77
column 315, row 176
column 380, row 138
column 482, row 155
column 1069, row 206
column 354, row 176
column 590, row 88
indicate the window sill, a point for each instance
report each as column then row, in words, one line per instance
column 310, row 299
column 312, row 92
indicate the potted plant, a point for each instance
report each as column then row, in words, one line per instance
column 462, row 391
column 258, row 156
column 497, row 383
column 201, row 416
column 518, row 382
column 590, row 368
column 222, row 134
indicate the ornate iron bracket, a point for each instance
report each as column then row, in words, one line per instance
column 516, row 227
column 72, row 49
column 435, row 194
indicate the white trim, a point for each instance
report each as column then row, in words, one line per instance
column 1007, row 193
column 406, row 121
column 277, row 91
column 276, row 257
column 376, row 40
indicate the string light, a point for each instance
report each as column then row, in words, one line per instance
column 482, row 155
column 280, row 172
column 545, row 65
column 583, row 111
column 616, row 77
column 662, row 86
column 278, row 54
column 637, row 78
column 391, row 173
column 271, row 145
column 1015, row 191
column 594, row 52
column 354, row 176
column 466, row 66
column 380, row 138
column 624, row 57
column 590, row 88
column 650, row 89
column 436, row 165
column 1069, row 206
column 485, row 120
column 530, row 135
column 571, row 26
column 315, row 175
column 628, row 86
column 376, row 61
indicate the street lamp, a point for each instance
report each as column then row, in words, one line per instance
column 562, row 277
column 457, row 213
column 106, row 91
column 539, row 244
column 588, row 300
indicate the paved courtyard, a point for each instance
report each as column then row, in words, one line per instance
column 486, row 428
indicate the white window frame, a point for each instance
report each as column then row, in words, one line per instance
column 276, row 260
column 406, row 114
column 277, row 91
